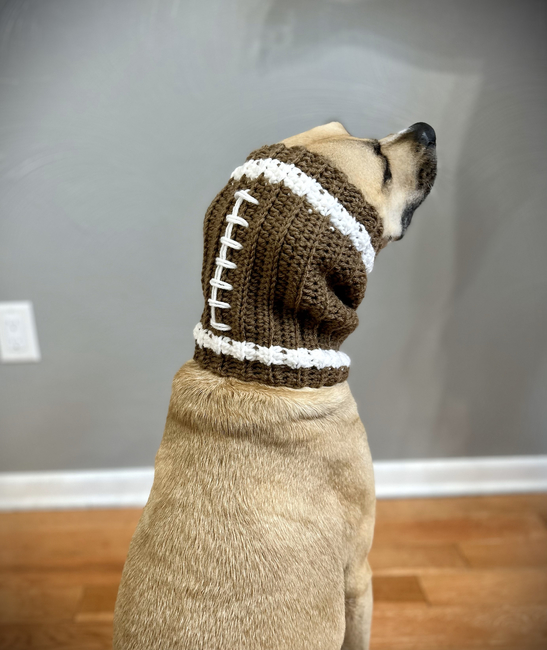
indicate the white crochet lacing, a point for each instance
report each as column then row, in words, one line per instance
column 223, row 263
column 303, row 185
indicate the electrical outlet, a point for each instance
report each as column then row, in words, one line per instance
column 18, row 339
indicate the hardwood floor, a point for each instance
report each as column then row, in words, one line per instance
column 450, row 574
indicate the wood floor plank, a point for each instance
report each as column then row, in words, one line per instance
column 69, row 548
column 454, row 530
column 399, row 558
column 36, row 521
column 457, row 507
column 60, row 636
column 38, row 604
column 97, row 603
column 506, row 553
column 61, row 576
column 414, row 627
column 509, row 587
column 404, row 589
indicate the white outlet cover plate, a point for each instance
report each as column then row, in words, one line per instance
column 18, row 338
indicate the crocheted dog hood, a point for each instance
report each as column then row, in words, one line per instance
column 288, row 244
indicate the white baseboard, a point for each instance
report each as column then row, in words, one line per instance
column 119, row 488
column 460, row 476
column 103, row 488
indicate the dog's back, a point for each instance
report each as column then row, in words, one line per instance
column 262, row 504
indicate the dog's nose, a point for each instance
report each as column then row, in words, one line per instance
column 423, row 133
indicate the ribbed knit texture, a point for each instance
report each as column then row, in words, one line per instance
column 298, row 280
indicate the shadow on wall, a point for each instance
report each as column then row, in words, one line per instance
column 498, row 192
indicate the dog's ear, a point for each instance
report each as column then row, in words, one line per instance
column 334, row 128
column 323, row 132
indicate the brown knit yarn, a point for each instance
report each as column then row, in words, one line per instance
column 298, row 280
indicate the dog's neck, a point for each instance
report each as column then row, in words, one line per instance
column 289, row 242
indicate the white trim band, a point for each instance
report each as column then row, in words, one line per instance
column 304, row 186
column 273, row 355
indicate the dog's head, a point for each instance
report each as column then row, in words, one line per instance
column 289, row 243
column 395, row 174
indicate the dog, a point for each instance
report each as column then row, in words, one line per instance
column 261, row 516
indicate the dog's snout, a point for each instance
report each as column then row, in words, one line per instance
column 423, row 133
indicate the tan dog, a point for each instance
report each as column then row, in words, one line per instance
column 261, row 516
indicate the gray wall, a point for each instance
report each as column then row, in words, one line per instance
column 120, row 120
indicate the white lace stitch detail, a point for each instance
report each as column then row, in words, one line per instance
column 223, row 263
column 303, row 185
column 274, row 355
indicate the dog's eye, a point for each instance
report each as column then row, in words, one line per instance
column 387, row 169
